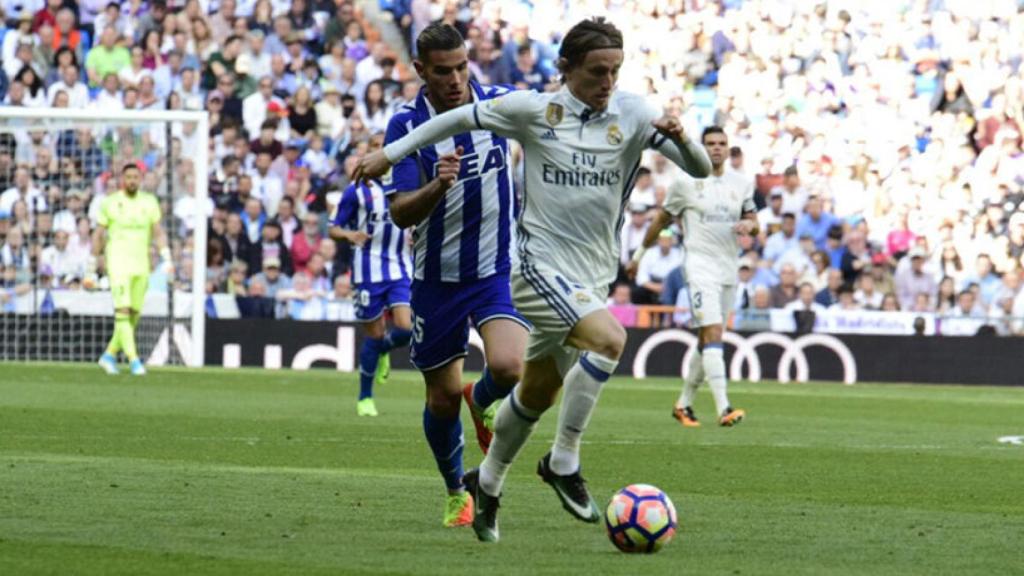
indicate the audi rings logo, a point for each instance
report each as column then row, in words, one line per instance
column 746, row 352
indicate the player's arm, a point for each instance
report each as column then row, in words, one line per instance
column 162, row 247
column 502, row 116
column 748, row 224
column 342, row 228
column 671, row 140
column 661, row 221
column 411, row 208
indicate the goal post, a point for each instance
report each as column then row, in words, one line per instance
column 55, row 166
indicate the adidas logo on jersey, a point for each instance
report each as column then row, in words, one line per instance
column 549, row 135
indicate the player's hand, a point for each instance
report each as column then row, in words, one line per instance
column 448, row 168
column 631, row 269
column 372, row 165
column 671, row 127
column 744, row 228
column 359, row 238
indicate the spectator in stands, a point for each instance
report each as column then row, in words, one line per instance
column 270, row 245
column 945, row 299
column 306, row 242
column 782, row 241
column 866, row 296
column 621, row 307
column 890, row 303
column 745, row 286
column 106, row 59
column 804, row 310
column 985, row 278
column 236, row 279
column 786, row 290
column 815, row 222
column 829, row 295
column 794, row 196
column 846, row 300
column 856, row 258
column 914, row 280
column 967, row 306
column 272, row 277
column 237, row 245
column 340, row 305
column 655, row 267
column 769, row 218
column 287, row 220
column 253, row 218
column 302, row 301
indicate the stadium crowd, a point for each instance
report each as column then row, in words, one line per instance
column 883, row 139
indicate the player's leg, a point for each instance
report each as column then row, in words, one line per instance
column 601, row 339
column 120, row 290
column 683, row 410
column 369, row 355
column 443, row 430
column 720, row 302
column 397, row 298
column 514, row 422
column 139, row 286
column 504, row 332
column 440, row 339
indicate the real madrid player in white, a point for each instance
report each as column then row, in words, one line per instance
column 582, row 146
column 714, row 211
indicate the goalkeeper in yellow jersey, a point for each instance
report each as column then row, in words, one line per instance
column 128, row 220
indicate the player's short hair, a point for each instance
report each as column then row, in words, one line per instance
column 790, row 171
column 712, row 130
column 735, row 152
column 586, row 36
column 130, row 166
column 438, row 36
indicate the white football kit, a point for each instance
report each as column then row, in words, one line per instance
column 710, row 208
column 580, row 168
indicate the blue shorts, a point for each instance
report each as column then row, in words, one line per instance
column 372, row 298
column 442, row 312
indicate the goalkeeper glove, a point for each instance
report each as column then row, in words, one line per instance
column 166, row 264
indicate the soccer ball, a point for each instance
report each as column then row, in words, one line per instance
column 640, row 518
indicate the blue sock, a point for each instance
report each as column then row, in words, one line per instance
column 396, row 338
column 368, row 356
column 486, row 391
column 445, row 439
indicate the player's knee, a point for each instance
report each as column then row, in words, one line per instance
column 444, row 405
column 612, row 343
column 506, row 370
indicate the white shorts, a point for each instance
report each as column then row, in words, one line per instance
column 553, row 304
column 711, row 303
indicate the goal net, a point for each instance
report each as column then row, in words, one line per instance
column 56, row 165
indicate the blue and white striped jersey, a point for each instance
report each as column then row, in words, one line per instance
column 469, row 234
column 385, row 256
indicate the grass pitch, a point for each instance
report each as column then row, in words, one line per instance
column 255, row 472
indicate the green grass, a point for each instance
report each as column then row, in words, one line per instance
column 253, row 472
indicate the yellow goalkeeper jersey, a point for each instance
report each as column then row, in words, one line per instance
column 129, row 223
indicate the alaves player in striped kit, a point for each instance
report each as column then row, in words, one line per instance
column 380, row 275
column 463, row 213
column 583, row 146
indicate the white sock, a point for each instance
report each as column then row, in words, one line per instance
column 714, row 368
column 513, row 425
column 694, row 377
column 579, row 398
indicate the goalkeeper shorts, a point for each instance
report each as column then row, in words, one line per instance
column 129, row 291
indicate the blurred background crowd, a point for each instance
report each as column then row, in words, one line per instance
column 883, row 138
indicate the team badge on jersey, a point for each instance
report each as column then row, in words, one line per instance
column 582, row 298
column 614, row 135
column 554, row 114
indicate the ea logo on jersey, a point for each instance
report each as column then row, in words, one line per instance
column 554, row 114
column 614, row 135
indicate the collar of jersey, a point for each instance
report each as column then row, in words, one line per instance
column 576, row 106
